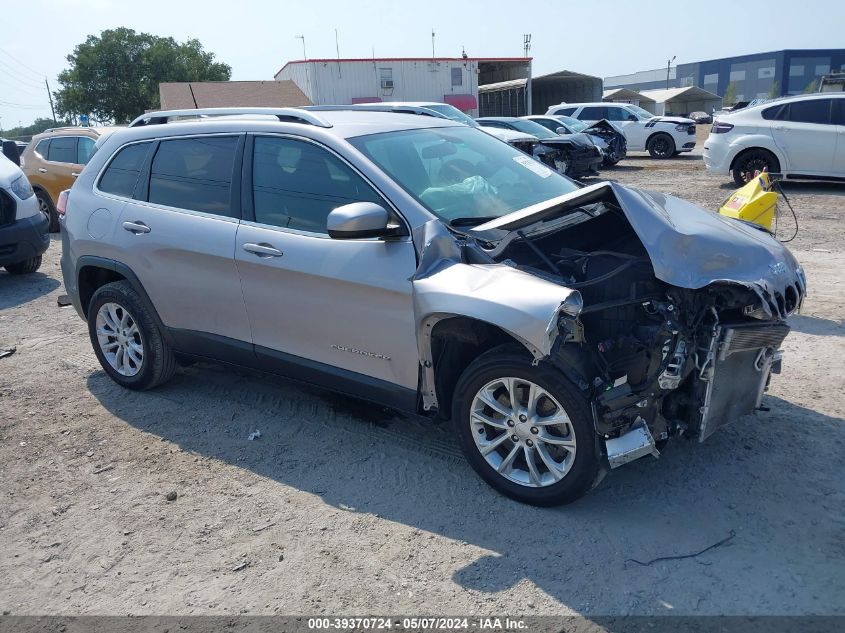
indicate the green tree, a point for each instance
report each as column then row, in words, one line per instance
column 730, row 94
column 774, row 91
column 115, row 77
column 38, row 126
column 813, row 86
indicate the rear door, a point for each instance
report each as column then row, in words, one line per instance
column 806, row 136
column 57, row 171
column 177, row 234
column 634, row 131
column 316, row 303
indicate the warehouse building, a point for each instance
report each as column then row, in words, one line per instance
column 756, row 76
column 534, row 95
column 453, row 80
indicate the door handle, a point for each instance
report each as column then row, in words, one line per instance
column 136, row 227
column 74, row 174
column 262, row 250
column 41, row 170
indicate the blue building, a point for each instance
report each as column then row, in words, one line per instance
column 759, row 75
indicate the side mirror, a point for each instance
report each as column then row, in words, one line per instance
column 11, row 151
column 561, row 130
column 359, row 220
column 631, row 117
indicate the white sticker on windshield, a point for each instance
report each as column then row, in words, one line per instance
column 538, row 168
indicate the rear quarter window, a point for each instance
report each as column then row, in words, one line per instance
column 121, row 176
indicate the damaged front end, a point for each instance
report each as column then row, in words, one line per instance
column 616, row 145
column 683, row 313
column 573, row 155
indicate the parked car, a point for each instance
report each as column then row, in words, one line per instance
column 800, row 137
column 607, row 137
column 424, row 265
column 23, row 228
column 701, row 118
column 573, row 155
column 662, row 137
column 54, row 158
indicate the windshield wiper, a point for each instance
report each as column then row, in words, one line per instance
column 474, row 221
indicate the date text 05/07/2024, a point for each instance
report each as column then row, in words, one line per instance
column 417, row 624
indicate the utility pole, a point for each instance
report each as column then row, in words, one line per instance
column 668, row 65
column 526, row 44
column 432, row 42
column 50, row 97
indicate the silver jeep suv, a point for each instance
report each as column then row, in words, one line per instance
column 425, row 265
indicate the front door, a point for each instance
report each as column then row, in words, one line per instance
column 342, row 308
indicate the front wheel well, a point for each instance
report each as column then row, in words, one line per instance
column 455, row 343
column 92, row 278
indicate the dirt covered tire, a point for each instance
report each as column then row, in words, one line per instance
column 751, row 161
column 25, row 267
column 538, row 447
column 46, row 206
column 127, row 340
column 661, row 146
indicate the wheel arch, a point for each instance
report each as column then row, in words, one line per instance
column 657, row 133
column 94, row 272
column 451, row 343
column 741, row 151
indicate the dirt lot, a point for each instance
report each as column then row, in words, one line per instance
column 343, row 508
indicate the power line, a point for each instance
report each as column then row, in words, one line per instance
column 11, row 84
column 8, row 54
column 16, row 75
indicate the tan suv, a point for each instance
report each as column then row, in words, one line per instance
column 53, row 160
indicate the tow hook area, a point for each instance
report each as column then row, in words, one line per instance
column 634, row 444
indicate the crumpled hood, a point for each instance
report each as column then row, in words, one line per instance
column 689, row 247
column 579, row 139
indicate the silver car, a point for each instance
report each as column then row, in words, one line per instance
column 424, row 265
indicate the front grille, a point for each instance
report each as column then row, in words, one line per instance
column 7, row 208
column 744, row 338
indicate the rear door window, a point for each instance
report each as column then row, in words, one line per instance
column 565, row 111
column 838, row 114
column 810, row 111
column 62, row 149
column 195, row 174
column 121, row 175
column 593, row 113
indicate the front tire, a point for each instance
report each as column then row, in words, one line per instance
column 525, row 429
column 46, row 206
column 25, row 267
column 661, row 146
column 752, row 161
column 127, row 340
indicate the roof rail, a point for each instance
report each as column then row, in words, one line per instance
column 295, row 115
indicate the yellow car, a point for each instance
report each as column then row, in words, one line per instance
column 53, row 160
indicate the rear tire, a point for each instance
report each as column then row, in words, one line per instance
column 25, row 267
column 549, row 463
column 661, row 145
column 126, row 338
column 45, row 204
column 753, row 160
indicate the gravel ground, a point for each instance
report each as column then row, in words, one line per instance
column 342, row 508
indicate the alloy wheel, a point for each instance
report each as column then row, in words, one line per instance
column 523, row 432
column 120, row 339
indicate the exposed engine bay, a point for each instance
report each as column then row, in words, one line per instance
column 655, row 358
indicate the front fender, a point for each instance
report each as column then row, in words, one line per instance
column 523, row 305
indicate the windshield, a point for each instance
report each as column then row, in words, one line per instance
column 451, row 112
column 572, row 123
column 534, row 129
column 461, row 173
column 643, row 114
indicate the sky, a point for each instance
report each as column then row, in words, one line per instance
column 256, row 38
